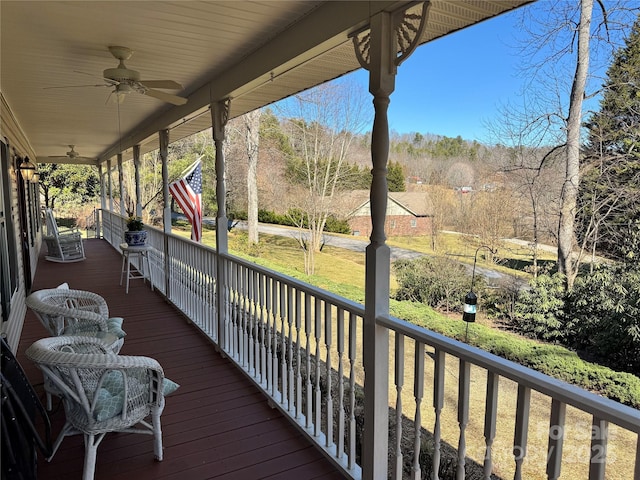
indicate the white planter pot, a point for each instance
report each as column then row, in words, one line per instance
column 136, row 239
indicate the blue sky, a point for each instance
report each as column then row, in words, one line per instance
column 456, row 85
column 453, row 85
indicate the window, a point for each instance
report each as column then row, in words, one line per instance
column 8, row 252
column 414, row 223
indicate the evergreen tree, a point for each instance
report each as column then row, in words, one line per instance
column 395, row 177
column 610, row 188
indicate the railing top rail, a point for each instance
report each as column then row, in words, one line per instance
column 336, row 300
column 597, row 405
column 170, row 235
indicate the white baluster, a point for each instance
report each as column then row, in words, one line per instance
column 399, row 381
column 599, row 438
column 293, row 294
column 490, row 416
column 438, row 403
column 308, row 399
column 340, row 347
column 556, row 437
column 464, row 376
column 352, row 389
column 317, row 398
column 418, row 392
column 522, row 428
column 268, row 331
column 328, row 342
column 298, row 347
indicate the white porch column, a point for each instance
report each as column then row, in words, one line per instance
column 123, row 210
column 136, row 165
column 109, row 186
column 103, row 193
column 103, row 203
column 219, row 117
column 164, row 154
column 377, row 50
column 163, row 136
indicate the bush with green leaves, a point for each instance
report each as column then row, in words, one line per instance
column 553, row 360
column 604, row 315
column 438, row 282
column 539, row 310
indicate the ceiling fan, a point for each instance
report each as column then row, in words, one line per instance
column 71, row 154
column 124, row 81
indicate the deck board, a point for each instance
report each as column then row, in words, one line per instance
column 216, row 425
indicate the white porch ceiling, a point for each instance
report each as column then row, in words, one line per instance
column 215, row 49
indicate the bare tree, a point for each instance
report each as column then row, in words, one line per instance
column 252, row 143
column 567, row 30
column 322, row 124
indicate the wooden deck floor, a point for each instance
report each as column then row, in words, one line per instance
column 216, row 425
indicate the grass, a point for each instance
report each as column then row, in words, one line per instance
column 513, row 258
column 342, row 272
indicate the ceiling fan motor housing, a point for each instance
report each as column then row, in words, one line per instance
column 121, row 74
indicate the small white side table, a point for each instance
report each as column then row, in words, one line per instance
column 142, row 252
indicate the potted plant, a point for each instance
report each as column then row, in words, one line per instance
column 136, row 235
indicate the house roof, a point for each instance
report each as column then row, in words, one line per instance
column 252, row 52
column 417, row 203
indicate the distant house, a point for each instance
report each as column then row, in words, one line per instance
column 408, row 213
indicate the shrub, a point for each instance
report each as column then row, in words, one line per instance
column 604, row 315
column 538, row 311
column 553, row 360
column 437, row 282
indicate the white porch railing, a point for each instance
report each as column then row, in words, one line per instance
column 303, row 348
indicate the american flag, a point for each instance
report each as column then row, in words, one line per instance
column 188, row 193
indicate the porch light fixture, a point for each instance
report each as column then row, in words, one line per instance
column 35, row 178
column 27, row 169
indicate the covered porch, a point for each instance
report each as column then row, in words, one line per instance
column 295, row 355
column 216, row 425
column 271, row 367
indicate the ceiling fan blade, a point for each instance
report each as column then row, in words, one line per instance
column 170, row 84
column 166, row 97
column 76, row 86
column 109, row 81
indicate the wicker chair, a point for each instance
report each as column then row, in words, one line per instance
column 102, row 392
column 62, row 245
column 63, row 311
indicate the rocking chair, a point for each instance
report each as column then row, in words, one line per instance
column 62, row 246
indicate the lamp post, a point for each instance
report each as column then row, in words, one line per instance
column 470, row 299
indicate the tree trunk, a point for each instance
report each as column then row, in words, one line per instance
column 569, row 194
column 252, row 123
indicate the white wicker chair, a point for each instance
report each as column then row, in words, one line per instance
column 62, row 246
column 102, row 392
column 63, row 311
